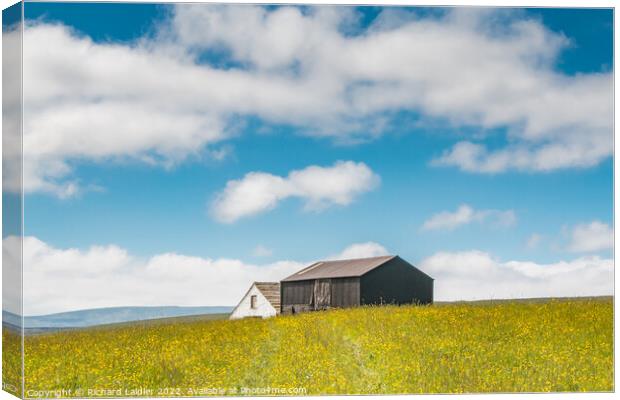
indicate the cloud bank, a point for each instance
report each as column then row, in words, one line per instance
column 168, row 97
column 465, row 214
column 57, row 279
column 476, row 275
column 319, row 187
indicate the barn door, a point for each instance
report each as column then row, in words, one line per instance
column 322, row 294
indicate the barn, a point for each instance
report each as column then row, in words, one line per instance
column 350, row 283
column 262, row 300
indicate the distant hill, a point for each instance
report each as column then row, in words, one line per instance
column 103, row 316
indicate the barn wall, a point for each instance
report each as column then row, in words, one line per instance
column 396, row 282
column 296, row 293
column 263, row 308
column 345, row 292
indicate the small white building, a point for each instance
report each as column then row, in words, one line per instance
column 261, row 300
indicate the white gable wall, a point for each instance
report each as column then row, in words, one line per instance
column 263, row 308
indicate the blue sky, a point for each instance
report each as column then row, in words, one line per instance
column 160, row 206
column 151, row 210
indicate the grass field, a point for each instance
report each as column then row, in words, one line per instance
column 558, row 345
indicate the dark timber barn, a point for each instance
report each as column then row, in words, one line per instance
column 350, row 283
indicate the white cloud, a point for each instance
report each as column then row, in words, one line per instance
column 262, row 251
column 573, row 150
column 158, row 100
column 361, row 250
column 452, row 67
column 592, row 237
column 103, row 102
column 450, row 220
column 58, row 280
column 12, row 274
column 320, row 187
column 533, row 241
column 474, row 275
column 465, row 214
column 11, row 111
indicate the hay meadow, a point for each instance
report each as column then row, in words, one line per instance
column 510, row 346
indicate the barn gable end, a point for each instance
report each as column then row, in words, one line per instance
column 262, row 300
column 396, row 282
column 271, row 291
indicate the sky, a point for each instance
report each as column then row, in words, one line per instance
column 175, row 154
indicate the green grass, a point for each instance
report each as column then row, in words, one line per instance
column 510, row 346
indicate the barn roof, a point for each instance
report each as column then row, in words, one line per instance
column 339, row 268
column 271, row 291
